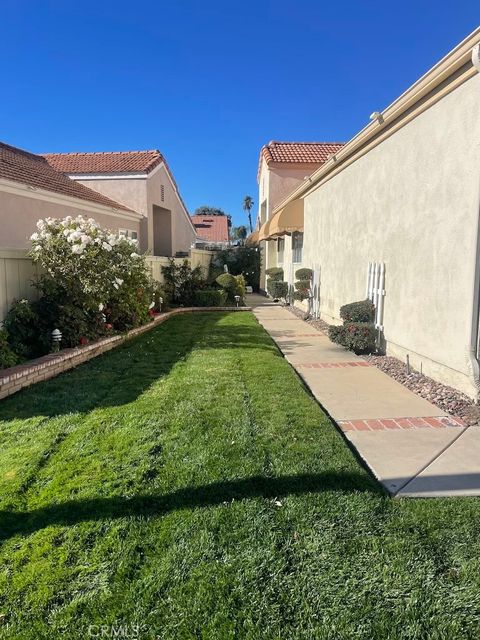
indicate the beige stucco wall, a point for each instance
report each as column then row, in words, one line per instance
column 275, row 182
column 412, row 202
column 20, row 213
column 183, row 233
column 141, row 194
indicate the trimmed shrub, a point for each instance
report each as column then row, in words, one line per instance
column 210, row 298
column 275, row 273
column 277, row 289
column 337, row 334
column 7, row 357
column 304, row 274
column 362, row 311
column 360, row 337
column 241, row 286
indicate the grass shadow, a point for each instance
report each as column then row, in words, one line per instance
column 74, row 511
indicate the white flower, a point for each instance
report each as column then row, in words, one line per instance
column 115, row 285
column 34, row 237
column 119, row 281
column 106, row 246
column 151, row 305
column 134, row 255
column 84, row 239
column 100, row 307
column 77, row 248
column 40, row 225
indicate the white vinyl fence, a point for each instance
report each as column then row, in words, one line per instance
column 375, row 290
column 17, row 273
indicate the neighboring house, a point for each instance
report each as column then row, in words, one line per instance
column 31, row 189
column 212, row 231
column 282, row 166
column 405, row 192
column 143, row 181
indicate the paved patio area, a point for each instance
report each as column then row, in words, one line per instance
column 412, row 447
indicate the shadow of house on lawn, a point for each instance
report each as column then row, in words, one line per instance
column 123, row 374
column 150, row 506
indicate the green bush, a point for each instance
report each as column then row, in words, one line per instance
column 337, row 334
column 181, row 282
column 240, row 286
column 277, row 289
column 362, row 311
column 7, row 357
column 22, row 326
column 210, row 298
column 275, row 273
column 304, row 274
column 360, row 337
column 228, row 283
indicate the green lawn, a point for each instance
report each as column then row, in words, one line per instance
column 187, row 483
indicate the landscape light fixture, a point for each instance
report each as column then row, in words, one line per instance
column 56, row 339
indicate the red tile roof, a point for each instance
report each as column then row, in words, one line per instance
column 211, row 228
column 105, row 161
column 35, row 171
column 298, row 152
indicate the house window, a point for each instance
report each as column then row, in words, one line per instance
column 280, row 250
column 128, row 233
column 297, row 246
column 162, row 193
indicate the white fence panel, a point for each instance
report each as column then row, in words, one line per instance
column 375, row 290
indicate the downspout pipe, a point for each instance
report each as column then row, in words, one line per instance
column 475, row 326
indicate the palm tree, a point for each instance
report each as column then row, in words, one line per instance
column 247, row 206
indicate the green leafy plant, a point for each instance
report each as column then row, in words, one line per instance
column 360, row 337
column 210, row 298
column 274, row 273
column 181, row 282
column 7, row 357
column 358, row 331
column 362, row 311
column 278, row 289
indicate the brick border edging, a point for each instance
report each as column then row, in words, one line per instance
column 51, row 365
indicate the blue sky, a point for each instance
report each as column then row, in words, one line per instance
column 209, row 82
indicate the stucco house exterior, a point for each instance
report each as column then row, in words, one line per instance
column 31, row 189
column 142, row 181
column 283, row 166
column 404, row 193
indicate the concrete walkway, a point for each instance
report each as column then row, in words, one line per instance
column 411, row 446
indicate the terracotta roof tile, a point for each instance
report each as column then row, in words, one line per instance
column 211, row 228
column 35, row 171
column 298, row 152
column 105, row 161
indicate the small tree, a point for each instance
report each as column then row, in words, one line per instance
column 304, row 288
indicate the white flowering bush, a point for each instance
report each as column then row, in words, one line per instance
column 93, row 280
column 88, row 261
